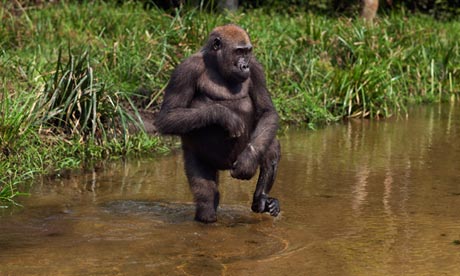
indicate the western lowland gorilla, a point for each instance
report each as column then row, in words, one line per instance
column 218, row 103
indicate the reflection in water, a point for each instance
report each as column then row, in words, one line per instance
column 359, row 189
column 362, row 198
column 387, row 184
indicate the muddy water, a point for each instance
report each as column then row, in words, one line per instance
column 363, row 198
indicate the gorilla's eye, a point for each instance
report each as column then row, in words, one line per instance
column 239, row 51
column 217, row 44
column 243, row 51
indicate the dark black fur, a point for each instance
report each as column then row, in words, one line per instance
column 218, row 103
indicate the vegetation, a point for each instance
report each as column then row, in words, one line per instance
column 76, row 78
column 440, row 9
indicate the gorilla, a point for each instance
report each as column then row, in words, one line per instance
column 218, row 103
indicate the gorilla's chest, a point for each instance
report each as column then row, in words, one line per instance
column 243, row 107
column 236, row 97
column 218, row 89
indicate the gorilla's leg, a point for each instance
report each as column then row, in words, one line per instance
column 268, row 166
column 203, row 182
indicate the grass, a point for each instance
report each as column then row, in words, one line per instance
column 73, row 76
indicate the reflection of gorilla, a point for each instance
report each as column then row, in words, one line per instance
column 217, row 101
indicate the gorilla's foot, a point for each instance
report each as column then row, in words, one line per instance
column 206, row 215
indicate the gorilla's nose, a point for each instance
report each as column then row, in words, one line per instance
column 244, row 67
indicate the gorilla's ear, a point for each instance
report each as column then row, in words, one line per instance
column 217, row 44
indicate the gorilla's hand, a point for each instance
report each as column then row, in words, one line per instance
column 230, row 121
column 246, row 165
column 235, row 125
column 263, row 204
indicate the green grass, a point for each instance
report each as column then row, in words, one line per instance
column 72, row 76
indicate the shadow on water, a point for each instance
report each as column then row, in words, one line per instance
column 177, row 213
column 362, row 198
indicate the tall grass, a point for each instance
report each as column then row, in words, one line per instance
column 319, row 68
column 348, row 68
column 15, row 134
column 60, row 107
column 75, row 102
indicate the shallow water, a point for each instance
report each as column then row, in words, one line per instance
column 361, row 198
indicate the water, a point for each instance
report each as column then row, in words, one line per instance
column 361, row 198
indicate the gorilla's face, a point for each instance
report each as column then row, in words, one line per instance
column 240, row 60
column 232, row 49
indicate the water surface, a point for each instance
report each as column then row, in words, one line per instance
column 360, row 198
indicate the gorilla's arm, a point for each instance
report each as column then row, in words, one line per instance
column 177, row 118
column 267, row 121
column 266, row 117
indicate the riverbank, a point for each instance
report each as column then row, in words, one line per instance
column 77, row 78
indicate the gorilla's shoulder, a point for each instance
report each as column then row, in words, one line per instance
column 256, row 65
column 193, row 65
column 257, row 73
column 190, row 68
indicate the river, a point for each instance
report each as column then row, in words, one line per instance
column 358, row 198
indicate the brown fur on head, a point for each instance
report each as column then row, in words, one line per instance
column 232, row 32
